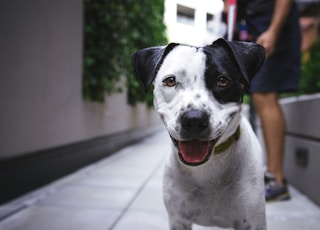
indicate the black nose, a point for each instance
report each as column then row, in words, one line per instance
column 194, row 122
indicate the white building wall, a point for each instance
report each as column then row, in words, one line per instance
column 196, row 34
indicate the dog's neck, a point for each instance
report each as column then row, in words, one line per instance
column 225, row 145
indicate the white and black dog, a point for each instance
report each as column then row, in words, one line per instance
column 214, row 174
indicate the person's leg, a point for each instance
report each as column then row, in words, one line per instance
column 274, row 128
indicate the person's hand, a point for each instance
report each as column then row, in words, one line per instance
column 268, row 41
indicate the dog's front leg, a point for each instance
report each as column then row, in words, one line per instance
column 180, row 225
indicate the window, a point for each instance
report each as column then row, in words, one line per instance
column 185, row 15
column 210, row 18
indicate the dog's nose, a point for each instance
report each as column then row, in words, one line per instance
column 195, row 122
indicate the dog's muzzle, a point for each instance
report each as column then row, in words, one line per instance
column 197, row 150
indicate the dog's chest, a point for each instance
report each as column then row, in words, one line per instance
column 202, row 198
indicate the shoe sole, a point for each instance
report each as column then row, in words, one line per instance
column 281, row 197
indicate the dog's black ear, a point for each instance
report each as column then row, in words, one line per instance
column 146, row 63
column 248, row 56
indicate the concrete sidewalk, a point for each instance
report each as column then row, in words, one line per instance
column 123, row 192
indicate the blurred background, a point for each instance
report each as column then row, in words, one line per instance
column 68, row 96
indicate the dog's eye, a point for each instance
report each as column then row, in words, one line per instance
column 223, row 81
column 170, row 81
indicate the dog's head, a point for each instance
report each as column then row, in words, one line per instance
column 198, row 91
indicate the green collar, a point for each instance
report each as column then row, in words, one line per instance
column 225, row 145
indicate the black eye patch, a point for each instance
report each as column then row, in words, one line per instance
column 223, row 80
column 232, row 93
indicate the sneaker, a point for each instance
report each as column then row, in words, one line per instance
column 273, row 190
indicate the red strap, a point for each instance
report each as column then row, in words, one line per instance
column 231, row 17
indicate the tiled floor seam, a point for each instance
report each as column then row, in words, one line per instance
column 13, row 212
column 140, row 189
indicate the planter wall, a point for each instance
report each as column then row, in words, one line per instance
column 302, row 157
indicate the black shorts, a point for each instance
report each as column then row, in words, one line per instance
column 281, row 71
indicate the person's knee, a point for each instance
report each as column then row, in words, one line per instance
column 264, row 100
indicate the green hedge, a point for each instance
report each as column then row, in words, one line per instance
column 310, row 72
column 113, row 31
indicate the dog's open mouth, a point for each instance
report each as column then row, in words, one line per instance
column 194, row 152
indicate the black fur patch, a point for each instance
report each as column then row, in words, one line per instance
column 220, row 64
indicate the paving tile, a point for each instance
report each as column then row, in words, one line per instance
column 115, row 178
column 150, row 200
column 157, row 180
column 8, row 209
column 56, row 218
column 143, row 221
column 298, row 207
column 293, row 224
column 197, row 227
column 90, row 197
column 297, row 213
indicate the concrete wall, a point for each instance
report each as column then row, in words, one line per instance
column 41, row 103
column 302, row 153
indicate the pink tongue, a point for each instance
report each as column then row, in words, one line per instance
column 194, row 151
